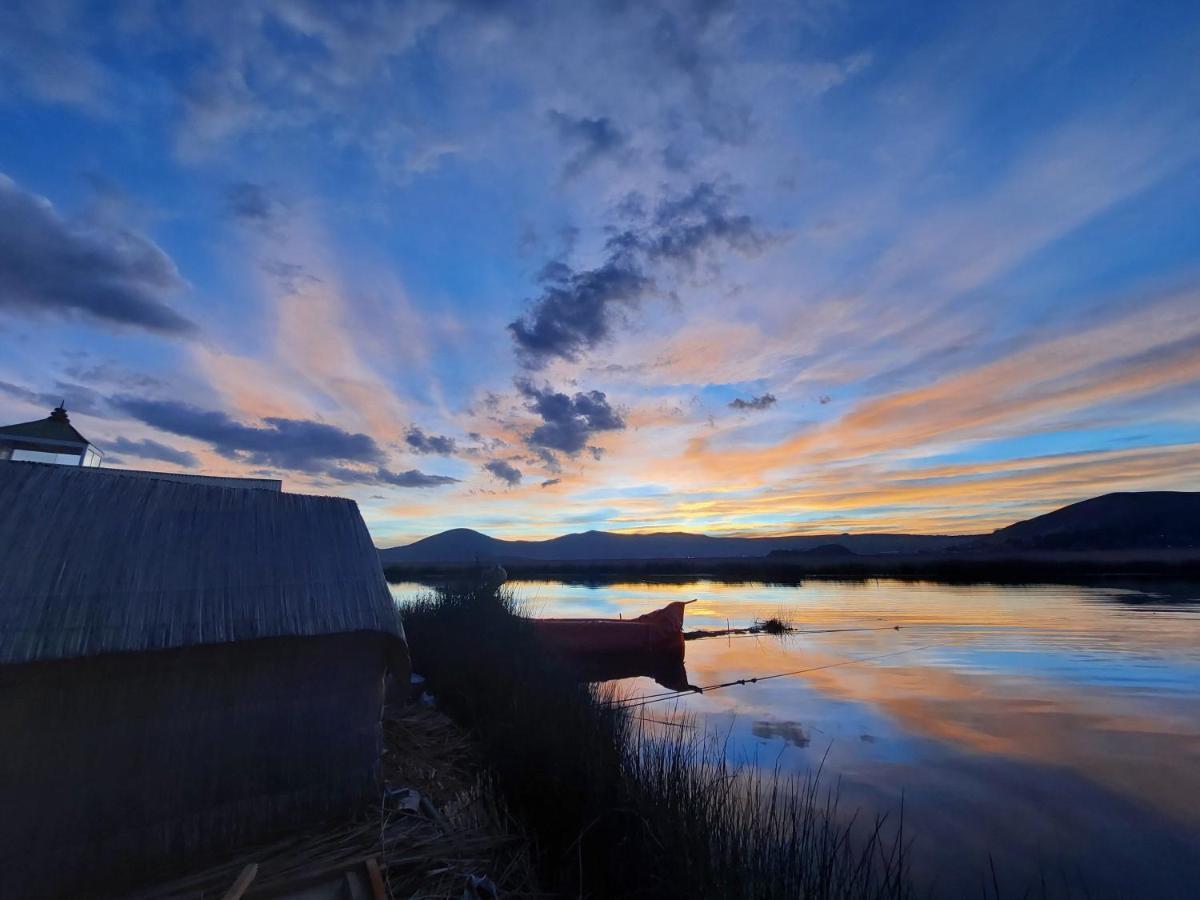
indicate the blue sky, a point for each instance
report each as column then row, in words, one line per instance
column 536, row 267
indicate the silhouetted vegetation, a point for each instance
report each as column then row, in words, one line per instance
column 618, row 810
column 774, row 625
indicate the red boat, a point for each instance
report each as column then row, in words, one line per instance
column 658, row 631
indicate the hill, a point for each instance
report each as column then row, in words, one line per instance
column 465, row 545
column 1149, row 520
column 1164, row 520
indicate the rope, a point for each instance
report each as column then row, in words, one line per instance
column 738, row 633
column 637, row 702
column 667, row 694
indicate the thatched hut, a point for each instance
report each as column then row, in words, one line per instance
column 185, row 669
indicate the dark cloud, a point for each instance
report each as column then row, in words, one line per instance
column 297, row 444
column 692, row 224
column 148, row 449
column 81, row 399
column 568, row 423
column 255, row 206
column 547, row 458
column 289, row 276
column 75, row 397
column 754, row 402
column 420, row 442
column 49, row 265
column 27, row 395
column 577, row 309
column 591, row 140
column 506, row 472
column 554, row 272
column 112, row 373
column 411, row 478
column 248, row 202
column 551, row 481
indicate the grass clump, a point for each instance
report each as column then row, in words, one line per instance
column 618, row 811
column 776, row 624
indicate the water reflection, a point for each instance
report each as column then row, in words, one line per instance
column 1054, row 727
column 666, row 670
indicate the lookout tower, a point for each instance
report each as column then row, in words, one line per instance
column 49, row 440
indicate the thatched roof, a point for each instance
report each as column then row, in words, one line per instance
column 96, row 565
column 56, row 428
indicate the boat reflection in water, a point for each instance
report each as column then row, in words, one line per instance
column 650, row 646
column 664, row 666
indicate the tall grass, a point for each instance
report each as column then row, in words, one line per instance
column 618, row 810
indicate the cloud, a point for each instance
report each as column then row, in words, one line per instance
column 296, row 444
column 763, row 402
column 255, row 206
column 412, row 478
column 506, row 472
column 148, row 449
column 568, row 423
column 1059, row 383
column 114, row 373
column 284, row 64
column 46, row 50
column 550, row 482
column 28, row 396
column 692, row 224
column 592, row 141
column 420, row 442
column 76, row 397
column 49, row 265
column 577, row 309
column 289, row 277
column 548, row 458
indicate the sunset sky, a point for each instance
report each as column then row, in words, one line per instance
column 534, row 268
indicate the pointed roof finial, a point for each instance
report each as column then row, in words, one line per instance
column 59, row 413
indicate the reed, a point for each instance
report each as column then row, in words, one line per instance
column 620, row 807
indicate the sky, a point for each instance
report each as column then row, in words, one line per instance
column 534, row 268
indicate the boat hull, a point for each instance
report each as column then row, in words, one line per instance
column 656, row 632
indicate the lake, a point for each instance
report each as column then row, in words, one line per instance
column 1052, row 728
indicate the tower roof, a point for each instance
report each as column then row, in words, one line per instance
column 55, row 427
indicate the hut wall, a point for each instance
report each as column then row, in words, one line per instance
column 117, row 768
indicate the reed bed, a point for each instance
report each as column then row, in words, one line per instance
column 620, row 807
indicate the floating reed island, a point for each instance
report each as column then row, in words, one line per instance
column 186, row 669
column 193, row 682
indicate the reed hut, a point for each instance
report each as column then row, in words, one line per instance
column 185, row 670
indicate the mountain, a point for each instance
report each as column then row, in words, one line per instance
column 1128, row 521
column 465, row 545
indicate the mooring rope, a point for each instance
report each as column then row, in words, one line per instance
column 637, row 702
column 668, row 694
column 750, row 632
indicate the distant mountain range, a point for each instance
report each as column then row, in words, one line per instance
column 1168, row 520
column 465, row 545
column 1152, row 519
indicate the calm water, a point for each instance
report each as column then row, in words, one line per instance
column 1056, row 728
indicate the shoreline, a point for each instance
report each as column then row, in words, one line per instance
column 1000, row 568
